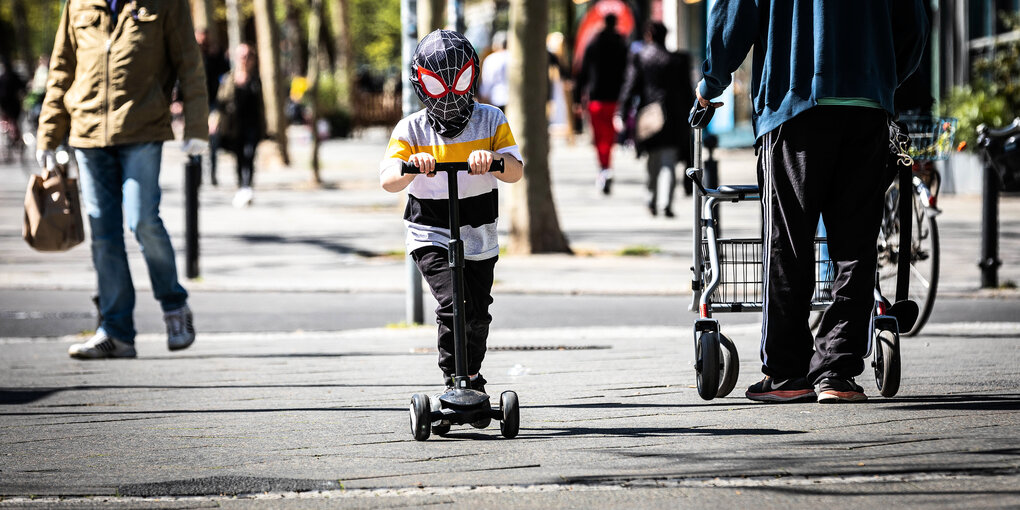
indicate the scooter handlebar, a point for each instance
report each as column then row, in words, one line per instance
column 458, row 166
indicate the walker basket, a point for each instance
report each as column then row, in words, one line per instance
column 931, row 138
column 740, row 285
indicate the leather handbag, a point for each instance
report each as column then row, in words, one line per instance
column 53, row 219
column 650, row 120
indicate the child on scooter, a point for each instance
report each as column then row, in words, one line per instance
column 451, row 128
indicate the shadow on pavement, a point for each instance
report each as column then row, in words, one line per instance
column 18, row 396
column 208, row 411
column 321, row 242
column 554, row 432
column 967, row 402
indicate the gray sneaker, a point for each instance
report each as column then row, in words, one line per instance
column 102, row 346
column 180, row 330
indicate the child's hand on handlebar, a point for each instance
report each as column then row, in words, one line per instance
column 425, row 162
column 479, row 162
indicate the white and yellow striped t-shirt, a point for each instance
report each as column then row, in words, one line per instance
column 426, row 214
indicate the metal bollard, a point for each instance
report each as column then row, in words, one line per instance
column 989, row 262
column 192, row 178
column 413, row 306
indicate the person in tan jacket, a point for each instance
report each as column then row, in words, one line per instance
column 113, row 67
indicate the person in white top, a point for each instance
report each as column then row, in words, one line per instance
column 494, row 87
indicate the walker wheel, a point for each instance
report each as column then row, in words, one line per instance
column 706, row 351
column 420, row 410
column 887, row 363
column 511, row 410
column 730, row 366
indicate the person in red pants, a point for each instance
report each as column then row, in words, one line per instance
column 600, row 78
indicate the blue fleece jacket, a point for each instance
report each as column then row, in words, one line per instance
column 806, row 50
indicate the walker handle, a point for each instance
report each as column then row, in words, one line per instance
column 700, row 115
column 459, row 166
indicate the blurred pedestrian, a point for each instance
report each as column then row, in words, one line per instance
column 822, row 80
column 242, row 121
column 600, row 79
column 494, row 86
column 12, row 91
column 660, row 80
column 113, row 66
column 216, row 65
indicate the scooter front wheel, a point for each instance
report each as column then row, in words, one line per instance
column 511, row 423
column 421, row 426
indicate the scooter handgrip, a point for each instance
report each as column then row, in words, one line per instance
column 459, row 166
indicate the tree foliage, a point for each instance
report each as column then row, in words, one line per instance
column 375, row 30
column 42, row 17
column 993, row 96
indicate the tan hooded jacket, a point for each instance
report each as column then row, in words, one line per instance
column 110, row 79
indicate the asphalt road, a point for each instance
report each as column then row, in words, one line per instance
column 55, row 313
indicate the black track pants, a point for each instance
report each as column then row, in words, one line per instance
column 829, row 160
column 433, row 262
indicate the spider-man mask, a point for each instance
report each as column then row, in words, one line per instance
column 444, row 72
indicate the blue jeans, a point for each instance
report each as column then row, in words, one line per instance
column 122, row 183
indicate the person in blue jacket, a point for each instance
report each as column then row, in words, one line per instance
column 822, row 82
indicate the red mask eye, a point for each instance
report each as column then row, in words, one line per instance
column 465, row 77
column 431, row 83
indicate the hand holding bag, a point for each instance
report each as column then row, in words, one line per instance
column 53, row 211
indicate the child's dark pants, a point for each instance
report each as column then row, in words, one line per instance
column 433, row 262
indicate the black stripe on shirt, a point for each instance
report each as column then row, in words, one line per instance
column 474, row 211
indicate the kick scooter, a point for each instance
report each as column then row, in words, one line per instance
column 459, row 405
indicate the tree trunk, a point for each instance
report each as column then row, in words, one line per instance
column 344, row 63
column 22, row 41
column 314, row 36
column 431, row 16
column 269, row 71
column 233, row 31
column 202, row 17
column 534, row 227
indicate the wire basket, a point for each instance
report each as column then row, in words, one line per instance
column 931, row 138
column 740, row 285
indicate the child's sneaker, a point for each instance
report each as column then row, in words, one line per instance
column 832, row 390
column 180, row 328
column 102, row 346
column 777, row 391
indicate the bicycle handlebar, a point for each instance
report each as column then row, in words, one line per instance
column 1003, row 132
column 458, row 166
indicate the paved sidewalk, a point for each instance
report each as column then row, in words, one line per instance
column 348, row 236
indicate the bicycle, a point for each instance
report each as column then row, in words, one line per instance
column 931, row 139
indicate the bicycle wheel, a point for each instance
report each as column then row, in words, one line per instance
column 923, row 253
column 924, row 264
